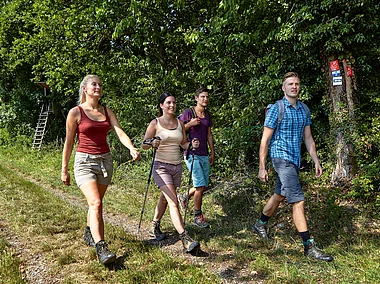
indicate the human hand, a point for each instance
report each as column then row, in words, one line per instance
column 65, row 177
column 263, row 175
column 135, row 154
column 212, row 159
column 318, row 170
column 154, row 142
column 195, row 143
column 195, row 121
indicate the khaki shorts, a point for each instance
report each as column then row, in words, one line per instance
column 165, row 174
column 88, row 167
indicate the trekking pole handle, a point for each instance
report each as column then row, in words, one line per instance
column 149, row 141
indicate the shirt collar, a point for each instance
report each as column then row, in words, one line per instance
column 287, row 104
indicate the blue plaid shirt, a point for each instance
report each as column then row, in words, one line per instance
column 286, row 144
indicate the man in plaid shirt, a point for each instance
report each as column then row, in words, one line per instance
column 285, row 141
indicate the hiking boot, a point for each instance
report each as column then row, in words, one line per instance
column 200, row 221
column 88, row 237
column 155, row 231
column 188, row 243
column 182, row 200
column 104, row 254
column 261, row 229
column 311, row 250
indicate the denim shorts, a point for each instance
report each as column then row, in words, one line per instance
column 201, row 170
column 165, row 174
column 288, row 183
column 88, row 167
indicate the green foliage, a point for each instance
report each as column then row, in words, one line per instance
column 239, row 49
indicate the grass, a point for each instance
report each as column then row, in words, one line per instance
column 338, row 226
column 9, row 264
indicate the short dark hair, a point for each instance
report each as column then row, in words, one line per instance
column 202, row 90
column 289, row 75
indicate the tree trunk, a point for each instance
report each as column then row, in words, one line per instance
column 342, row 124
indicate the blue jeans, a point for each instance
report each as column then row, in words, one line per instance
column 288, row 183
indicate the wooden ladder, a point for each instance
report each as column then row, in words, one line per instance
column 40, row 132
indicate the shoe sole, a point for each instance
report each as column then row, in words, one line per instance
column 320, row 259
column 160, row 238
column 193, row 247
column 202, row 227
column 109, row 260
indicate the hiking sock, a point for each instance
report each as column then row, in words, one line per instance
column 197, row 212
column 305, row 236
column 264, row 219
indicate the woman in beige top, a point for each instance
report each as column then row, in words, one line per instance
column 167, row 167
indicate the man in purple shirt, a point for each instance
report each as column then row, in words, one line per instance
column 198, row 122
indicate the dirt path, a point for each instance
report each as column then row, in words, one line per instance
column 35, row 268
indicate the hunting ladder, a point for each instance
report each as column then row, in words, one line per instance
column 40, row 132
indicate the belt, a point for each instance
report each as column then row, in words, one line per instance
column 101, row 157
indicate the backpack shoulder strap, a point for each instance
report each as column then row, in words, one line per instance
column 280, row 117
column 281, row 111
column 307, row 110
column 193, row 112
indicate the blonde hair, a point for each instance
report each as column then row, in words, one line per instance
column 82, row 94
column 289, row 75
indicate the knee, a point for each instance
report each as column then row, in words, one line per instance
column 96, row 204
column 201, row 189
column 278, row 198
column 299, row 204
column 172, row 203
column 163, row 199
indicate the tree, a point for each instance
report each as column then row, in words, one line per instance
column 343, row 31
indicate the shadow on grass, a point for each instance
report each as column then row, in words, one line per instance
column 330, row 220
column 118, row 264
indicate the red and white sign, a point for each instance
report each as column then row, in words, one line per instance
column 349, row 71
column 334, row 65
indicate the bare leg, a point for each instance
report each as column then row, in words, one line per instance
column 171, row 197
column 191, row 192
column 299, row 218
column 198, row 194
column 160, row 208
column 94, row 194
column 272, row 204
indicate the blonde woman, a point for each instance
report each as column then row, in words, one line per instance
column 93, row 167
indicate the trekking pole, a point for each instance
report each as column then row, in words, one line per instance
column 188, row 185
column 148, row 142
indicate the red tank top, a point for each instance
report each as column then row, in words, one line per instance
column 92, row 134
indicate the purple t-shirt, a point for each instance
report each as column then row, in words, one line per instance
column 200, row 131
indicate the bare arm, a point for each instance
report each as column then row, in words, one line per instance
column 151, row 133
column 311, row 148
column 193, row 122
column 123, row 137
column 71, row 127
column 210, row 141
column 263, row 152
column 185, row 144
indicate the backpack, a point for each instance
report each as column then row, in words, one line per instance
column 193, row 115
column 281, row 111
